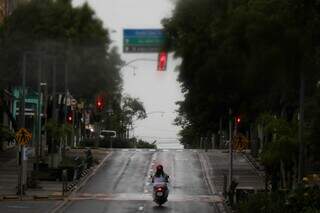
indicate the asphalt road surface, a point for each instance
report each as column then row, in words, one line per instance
column 123, row 184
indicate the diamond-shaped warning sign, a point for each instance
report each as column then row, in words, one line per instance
column 23, row 136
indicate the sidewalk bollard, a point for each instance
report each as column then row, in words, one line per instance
column 64, row 181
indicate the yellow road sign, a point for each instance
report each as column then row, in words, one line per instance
column 23, row 136
column 240, row 142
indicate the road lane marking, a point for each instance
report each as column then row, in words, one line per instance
column 206, row 168
column 19, row 207
column 147, row 197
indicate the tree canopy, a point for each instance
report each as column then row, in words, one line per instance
column 245, row 55
column 63, row 36
column 250, row 57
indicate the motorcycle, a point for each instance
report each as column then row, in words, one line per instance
column 160, row 193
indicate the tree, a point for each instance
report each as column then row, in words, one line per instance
column 71, row 40
column 247, row 56
column 73, row 35
column 132, row 109
column 281, row 150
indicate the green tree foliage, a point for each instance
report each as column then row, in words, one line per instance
column 5, row 135
column 280, row 154
column 245, row 55
column 73, row 36
column 300, row 200
column 132, row 109
column 126, row 110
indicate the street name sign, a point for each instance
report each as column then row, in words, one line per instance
column 23, row 136
column 142, row 40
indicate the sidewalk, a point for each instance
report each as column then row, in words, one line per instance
column 243, row 170
column 46, row 189
column 8, row 172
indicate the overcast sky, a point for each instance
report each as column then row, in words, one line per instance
column 157, row 90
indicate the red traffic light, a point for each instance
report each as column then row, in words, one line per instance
column 162, row 61
column 238, row 119
column 69, row 117
column 100, row 103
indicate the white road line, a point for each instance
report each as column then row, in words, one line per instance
column 19, row 207
column 148, row 197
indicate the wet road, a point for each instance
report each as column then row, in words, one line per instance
column 122, row 184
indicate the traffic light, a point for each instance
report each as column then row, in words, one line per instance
column 238, row 120
column 69, row 117
column 162, row 61
column 100, row 103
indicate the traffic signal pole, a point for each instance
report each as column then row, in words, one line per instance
column 22, row 125
column 300, row 133
column 230, row 149
column 38, row 141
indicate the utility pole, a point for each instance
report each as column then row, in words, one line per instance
column 301, row 123
column 39, row 113
column 21, row 179
column 66, row 94
column 230, row 149
column 45, row 115
column 54, row 104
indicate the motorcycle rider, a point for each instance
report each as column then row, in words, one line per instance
column 161, row 178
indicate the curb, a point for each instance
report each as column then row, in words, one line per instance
column 205, row 164
column 31, row 198
column 258, row 171
column 10, row 198
column 81, row 184
column 221, row 206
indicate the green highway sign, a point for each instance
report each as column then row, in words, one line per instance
column 142, row 40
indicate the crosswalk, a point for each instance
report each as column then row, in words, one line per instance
column 146, row 197
column 152, row 150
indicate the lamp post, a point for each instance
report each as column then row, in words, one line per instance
column 39, row 114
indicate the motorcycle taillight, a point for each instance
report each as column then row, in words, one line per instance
column 159, row 189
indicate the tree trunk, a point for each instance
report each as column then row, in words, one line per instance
column 283, row 175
